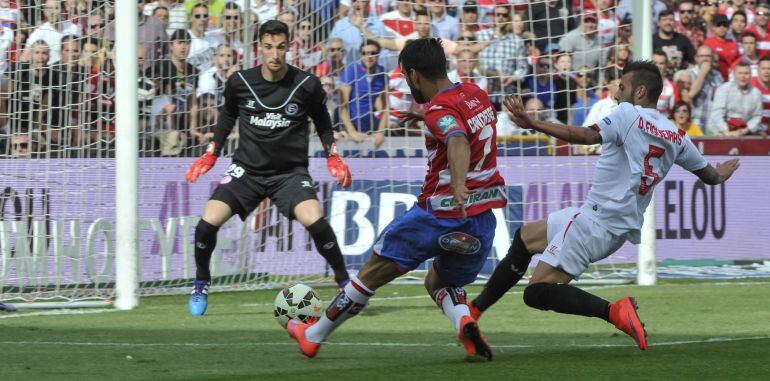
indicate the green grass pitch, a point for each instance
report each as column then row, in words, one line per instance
column 699, row 330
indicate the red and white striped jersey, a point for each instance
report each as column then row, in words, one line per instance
column 400, row 97
column 667, row 98
column 464, row 109
column 765, row 100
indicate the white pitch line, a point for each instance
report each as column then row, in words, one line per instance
column 379, row 344
column 58, row 312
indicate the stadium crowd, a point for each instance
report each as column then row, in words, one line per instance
column 562, row 56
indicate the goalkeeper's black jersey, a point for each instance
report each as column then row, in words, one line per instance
column 272, row 119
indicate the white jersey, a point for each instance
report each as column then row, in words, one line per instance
column 639, row 147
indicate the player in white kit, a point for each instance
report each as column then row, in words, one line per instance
column 639, row 147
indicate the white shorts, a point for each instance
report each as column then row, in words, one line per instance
column 574, row 242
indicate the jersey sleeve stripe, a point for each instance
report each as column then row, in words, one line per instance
column 596, row 128
column 446, row 138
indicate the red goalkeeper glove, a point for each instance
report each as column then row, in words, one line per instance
column 338, row 168
column 202, row 164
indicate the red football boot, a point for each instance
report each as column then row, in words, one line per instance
column 476, row 345
column 296, row 330
column 623, row 315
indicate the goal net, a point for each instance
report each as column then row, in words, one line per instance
column 57, row 219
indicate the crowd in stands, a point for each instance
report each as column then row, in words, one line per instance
column 563, row 56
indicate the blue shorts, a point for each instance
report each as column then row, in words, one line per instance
column 460, row 245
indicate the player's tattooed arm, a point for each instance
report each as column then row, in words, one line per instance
column 571, row 134
column 718, row 175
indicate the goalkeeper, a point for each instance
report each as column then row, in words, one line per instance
column 272, row 103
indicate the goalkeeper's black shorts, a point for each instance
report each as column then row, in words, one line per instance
column 243, row 192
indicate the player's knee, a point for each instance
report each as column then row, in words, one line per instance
column 534, row 295
column 533, row 236
column 205, row 231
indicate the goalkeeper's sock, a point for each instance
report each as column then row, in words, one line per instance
column 348, row 303
column 326, row 243
column 566, row 299
column 205, row 241
column 452, row 300
column 507, row 273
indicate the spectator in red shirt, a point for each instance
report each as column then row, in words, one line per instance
column 749, row 56
column 726, row 50
column 762, row 16
column 687, row 26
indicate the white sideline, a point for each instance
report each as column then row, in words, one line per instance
column 378, row 344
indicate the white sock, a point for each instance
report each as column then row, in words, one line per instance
column 452, row 301
column 348, row 302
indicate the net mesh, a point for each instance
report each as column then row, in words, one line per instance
column 57, row 116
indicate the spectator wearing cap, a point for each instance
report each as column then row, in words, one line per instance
column 762, row 83
column 707, row 80
column 204, row 40
column 583, row 43
column 400, row 21
column 469, row 18
column 687, row 25
column 446, row 26
column 737, row 106
column 749, row 55
column 550, row 20
column 726, row 50
column 51, row 32
column 760, row 29
column 504, row 61
column 177, row 81
column 677, row 47
column 737, row 26
column 346, row 30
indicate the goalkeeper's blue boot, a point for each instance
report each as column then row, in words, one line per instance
column 7, row 307
column 199, row 299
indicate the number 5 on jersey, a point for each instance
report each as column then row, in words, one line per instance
column 649, row 172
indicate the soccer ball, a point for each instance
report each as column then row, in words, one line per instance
column 297, row 302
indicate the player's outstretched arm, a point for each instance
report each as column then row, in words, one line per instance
column 459, row 155
column 718, row 175
column 571, row 134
